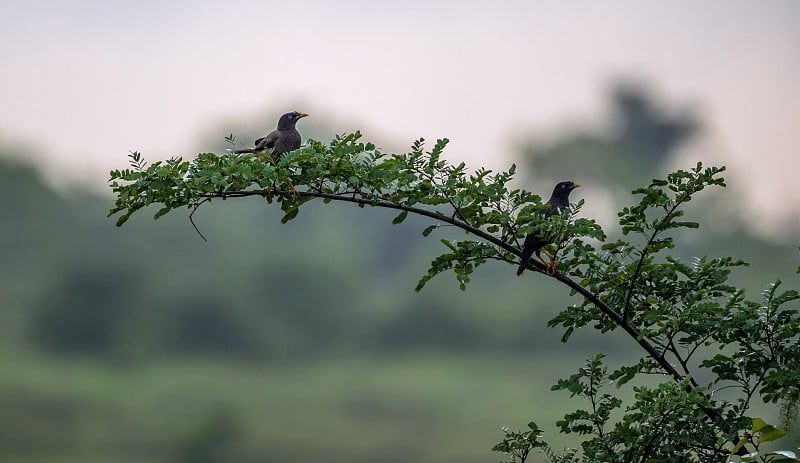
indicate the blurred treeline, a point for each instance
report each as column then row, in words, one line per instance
column 301, row 341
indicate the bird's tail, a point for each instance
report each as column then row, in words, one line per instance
column 523, row 264
column 523, row 261
column 248, row 150
column 521, row 267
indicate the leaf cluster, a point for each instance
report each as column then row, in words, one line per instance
column 691, row 324
column 419, row 182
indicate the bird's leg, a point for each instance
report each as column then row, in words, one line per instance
column 551, row 267
column 292, row 189
column 275, row 188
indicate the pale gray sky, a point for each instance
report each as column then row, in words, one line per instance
column 86, row 81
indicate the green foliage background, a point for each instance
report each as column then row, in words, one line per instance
column 293, row 342
column 148, row 343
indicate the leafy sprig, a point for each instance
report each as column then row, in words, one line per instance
column 347, row 169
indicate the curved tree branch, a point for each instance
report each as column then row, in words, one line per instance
column 572, row 284
column 616, row 316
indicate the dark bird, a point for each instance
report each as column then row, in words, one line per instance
column 534, row 242
column 281, row 140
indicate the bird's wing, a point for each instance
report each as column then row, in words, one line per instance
column 549, row 210
column 267, row 142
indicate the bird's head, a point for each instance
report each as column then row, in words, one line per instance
column 561, row 193
column 564, row 188
column 288, row 120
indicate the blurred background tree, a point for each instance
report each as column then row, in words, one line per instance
column 641, row 140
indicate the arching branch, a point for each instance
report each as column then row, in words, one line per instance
column 569, row 282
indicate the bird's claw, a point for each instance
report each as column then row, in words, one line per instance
column 293, row 190
column 550, row 266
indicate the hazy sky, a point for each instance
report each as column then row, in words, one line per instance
column 83, row 82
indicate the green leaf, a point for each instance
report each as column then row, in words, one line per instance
column 161, row 212
column 290, row 214
column 628, row 375
column 759, row 424
column 400, row 218
column 124, row 217
column 429, row 229
column 768, row 432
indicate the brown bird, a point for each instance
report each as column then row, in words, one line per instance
column 534, row 242
column 281, row 140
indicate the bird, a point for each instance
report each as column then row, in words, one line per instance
column 534, row 242
column 281, row 140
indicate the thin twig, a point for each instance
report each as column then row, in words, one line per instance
column 644, row 254
column 191, row 217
